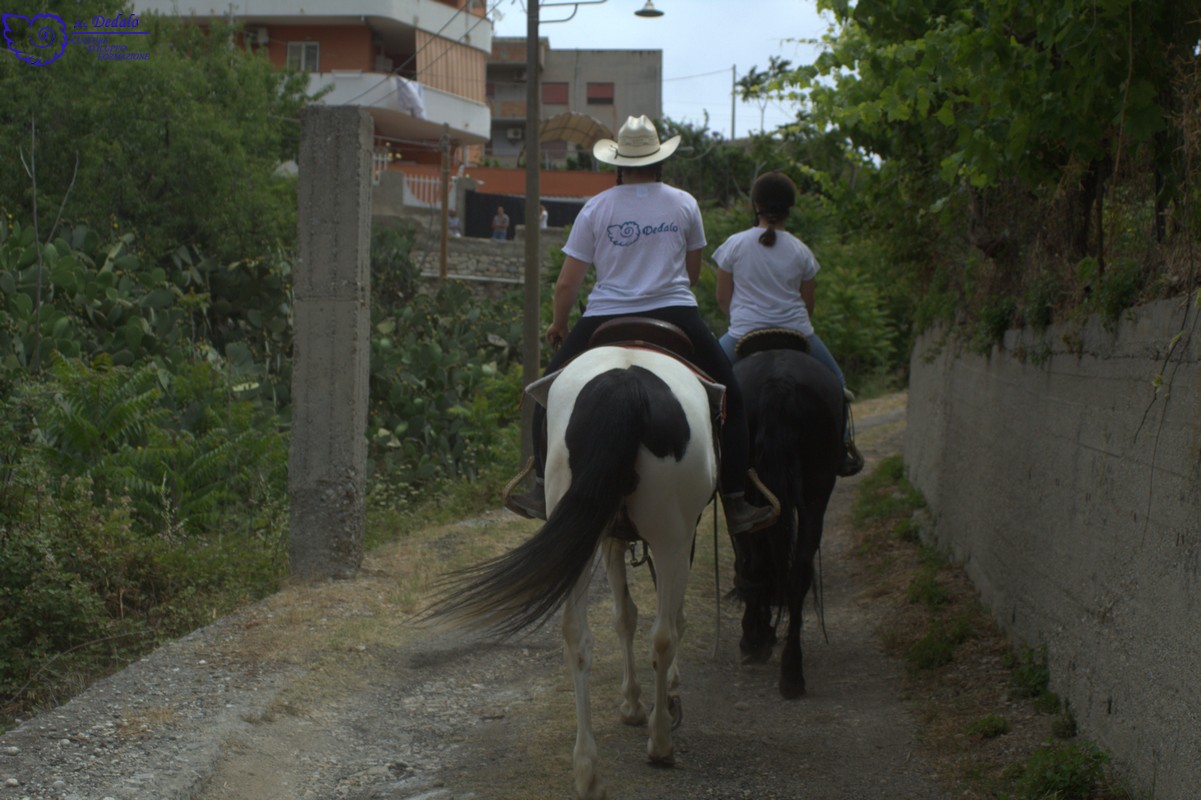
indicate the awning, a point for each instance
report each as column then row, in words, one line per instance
column 571, row 126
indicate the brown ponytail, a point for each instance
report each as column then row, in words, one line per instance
column 772, row 195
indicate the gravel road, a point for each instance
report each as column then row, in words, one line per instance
column 328, row 692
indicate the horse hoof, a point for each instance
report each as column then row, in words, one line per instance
column 668, row 760
column 590, row 788
column 791, row 691
column 633, row 716
column 758, row 656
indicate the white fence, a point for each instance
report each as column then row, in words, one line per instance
column 417, row 191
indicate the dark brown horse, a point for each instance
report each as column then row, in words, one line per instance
column 795, row 411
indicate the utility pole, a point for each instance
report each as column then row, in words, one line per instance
column 445, row 233
column 733, row 97
column 531, row 325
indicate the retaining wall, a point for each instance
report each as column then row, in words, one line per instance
column 486, row 266
column 1069, row 487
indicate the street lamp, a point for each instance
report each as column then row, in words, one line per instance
column 531, row 325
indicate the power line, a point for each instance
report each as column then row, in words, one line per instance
column 698, row 75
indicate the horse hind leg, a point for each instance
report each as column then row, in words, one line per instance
column 792, row 668
column 625, row 619
column 758, row 632
column 577, row 651
column 665, row 639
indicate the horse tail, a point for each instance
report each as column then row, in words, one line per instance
column 778, row 464
column 615, row 413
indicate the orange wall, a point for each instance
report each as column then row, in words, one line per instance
column 555, row 183
column 502, row 180
column 342, row 46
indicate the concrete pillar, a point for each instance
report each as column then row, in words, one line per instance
column 327, row 466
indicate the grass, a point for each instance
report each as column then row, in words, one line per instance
column 990, row 724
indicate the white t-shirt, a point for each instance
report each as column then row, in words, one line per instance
column 636, row 236
column 767, row 281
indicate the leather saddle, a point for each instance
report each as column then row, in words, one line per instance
column 644, row 332
column 763, row 339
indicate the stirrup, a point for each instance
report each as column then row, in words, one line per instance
column 524, row 505
column 772, row 508
column 852, row 460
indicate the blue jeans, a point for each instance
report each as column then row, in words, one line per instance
column 500, row 235
column 817, row 349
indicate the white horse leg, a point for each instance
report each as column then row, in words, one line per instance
column 672, row 567
column 577, row 651
column 673, row 674
column 625, row 619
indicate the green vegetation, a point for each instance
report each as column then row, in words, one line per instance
column 143, row 442
column 989, row 727
column 1014, row 162
column 885, row 494
column 1032, row 679
column 1063, row 772
column 181, row 149
column 956, row 659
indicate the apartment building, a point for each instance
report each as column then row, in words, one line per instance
column 601, row 88
column 415, row 65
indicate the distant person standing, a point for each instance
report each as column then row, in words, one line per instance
column 500, row 224
column 454, row 225
column 543, row 217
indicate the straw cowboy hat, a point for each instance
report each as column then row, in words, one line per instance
column 637, row 145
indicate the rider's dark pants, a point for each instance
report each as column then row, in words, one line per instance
column 708, row 355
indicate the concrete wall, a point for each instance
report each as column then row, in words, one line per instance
column 1071, row 491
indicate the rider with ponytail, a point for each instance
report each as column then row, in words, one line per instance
column 766, row 278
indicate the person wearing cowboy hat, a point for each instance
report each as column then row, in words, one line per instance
column 644, row 239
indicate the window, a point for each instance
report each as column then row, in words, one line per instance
column 304, row 56
column 554, row 94
column 600, row 94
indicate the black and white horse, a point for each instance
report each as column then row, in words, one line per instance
column 626, row 428
column 794, row 410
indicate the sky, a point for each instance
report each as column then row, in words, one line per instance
column 701, row 41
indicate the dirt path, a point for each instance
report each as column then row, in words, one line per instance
column 328, row 693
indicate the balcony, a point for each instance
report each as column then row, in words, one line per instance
column 414, row 64
column 405, row 109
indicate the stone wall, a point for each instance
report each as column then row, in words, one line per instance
column 1069, row 487
column 487, row 266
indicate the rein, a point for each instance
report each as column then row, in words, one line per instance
column 716, row 585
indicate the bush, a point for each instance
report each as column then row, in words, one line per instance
column 181, row 447
column 94, row 299
column 135, row 504
column 445, row 374
column 1067, row 772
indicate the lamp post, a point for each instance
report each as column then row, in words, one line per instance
column 531, row 325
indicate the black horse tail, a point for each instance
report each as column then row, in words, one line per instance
column 615, row 413
column 778, row 465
